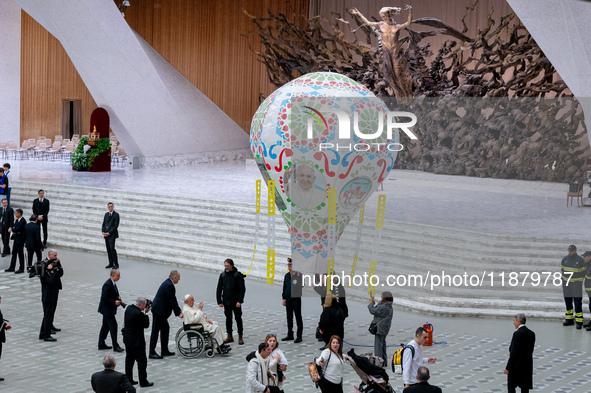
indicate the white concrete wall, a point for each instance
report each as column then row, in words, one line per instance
column 154, row 110
column 10, row 71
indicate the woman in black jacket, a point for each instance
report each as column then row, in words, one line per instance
column 332, row 319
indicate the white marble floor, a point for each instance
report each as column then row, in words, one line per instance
column 523, row 208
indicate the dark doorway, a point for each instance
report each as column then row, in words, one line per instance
column 71, row 118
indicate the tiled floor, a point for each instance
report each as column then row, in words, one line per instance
column 471, row 355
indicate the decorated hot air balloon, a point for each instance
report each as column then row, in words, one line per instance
column 322, row 134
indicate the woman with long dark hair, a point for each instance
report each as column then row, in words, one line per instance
column 331, row 360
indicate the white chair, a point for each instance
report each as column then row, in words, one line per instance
column 23, row 152
column 3, row 146
column 67, row 152
column 40, row 151
column 58, row 138
column 13, row 147
column 54, row 150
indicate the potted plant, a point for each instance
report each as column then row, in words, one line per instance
column 82, row 157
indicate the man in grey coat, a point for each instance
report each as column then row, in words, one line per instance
column 382, row 318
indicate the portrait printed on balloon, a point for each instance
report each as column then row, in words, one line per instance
column 307, row 188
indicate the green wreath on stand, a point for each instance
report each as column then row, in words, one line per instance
column 82, row 157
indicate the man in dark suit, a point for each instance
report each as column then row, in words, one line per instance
column 423, row 385
column 6, row 221
column 110, row 300
column 51, row 284
column 164, row 304
column 520, row 366
column 18, row 233
column 41, row 209
column 33, row 240
column 109, row 380
column 110, row 233
column 135, row 322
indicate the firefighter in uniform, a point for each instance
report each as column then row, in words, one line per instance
column 573, row 292
column 587, row 258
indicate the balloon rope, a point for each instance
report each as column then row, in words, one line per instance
column 332, row 220
column 257, row 223
column 371, row 289
column 357, row 243
column 271, row 232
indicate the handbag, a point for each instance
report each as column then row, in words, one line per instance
column 373, row 326
column 319, row 335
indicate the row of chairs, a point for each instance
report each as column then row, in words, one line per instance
column 61, row 149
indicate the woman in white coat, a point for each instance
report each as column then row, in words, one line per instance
column 331, row 360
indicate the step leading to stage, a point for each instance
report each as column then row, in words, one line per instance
column 183, row 231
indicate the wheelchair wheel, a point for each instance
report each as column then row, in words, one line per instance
column 190, row 344
column 178, row 333
column 210, row 352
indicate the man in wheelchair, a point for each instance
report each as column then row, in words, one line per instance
column 195, row 316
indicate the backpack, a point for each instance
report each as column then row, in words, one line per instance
column 397, row 358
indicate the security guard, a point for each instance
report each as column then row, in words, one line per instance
column 575, row 264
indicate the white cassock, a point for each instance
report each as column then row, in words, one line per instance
column 193, row 315
column 305, row 199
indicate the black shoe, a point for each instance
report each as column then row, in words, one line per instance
column 131, row 381
column 9, row 270
column 155, row 356
column 109, row 267
column 1, row 379
column 118, row 349
column 588, row 328
column 167, row 353
column 19, row 271
column 49, row 339
column 53, row 331
column 146, row 384
column 568, row 323
column 104, row 346
column 289, row 337
column 56, row 329
column 297, row 340
column 4, row 255
column 586, row 325
column 579, row 326
column 116, row 267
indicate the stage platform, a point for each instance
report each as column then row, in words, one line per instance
column 507, row 207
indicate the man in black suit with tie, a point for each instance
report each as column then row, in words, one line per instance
column 3, row 327
column 520, row 366
column 18, row 233
column 110, row 233
column 164, row 304
column 33, row 240
column 51, row 284
column 110, row 300
column 6, row 219
column 135, row 322
column 109, row 380
column 41, row 209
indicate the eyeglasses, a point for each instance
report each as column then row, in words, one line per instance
column 272, row 335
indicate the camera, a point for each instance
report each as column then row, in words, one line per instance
column 39, row 268
column 122, row 304
column 148, row 304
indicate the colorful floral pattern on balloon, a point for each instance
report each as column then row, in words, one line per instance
column 280, row 145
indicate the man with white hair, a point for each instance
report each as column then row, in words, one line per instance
column 194, row 315
column 301, row 190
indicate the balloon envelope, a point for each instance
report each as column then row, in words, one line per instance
column 320, row 131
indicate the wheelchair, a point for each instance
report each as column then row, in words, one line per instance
column 192, row 340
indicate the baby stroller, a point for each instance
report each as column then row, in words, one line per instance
column 374, row 379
